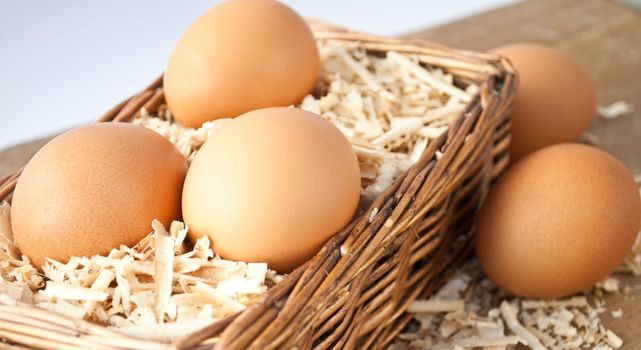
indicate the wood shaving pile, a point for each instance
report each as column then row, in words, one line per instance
column 160, row 289
column 389, row 107
column 187, row 140
column 18, row 277
column 470, row 312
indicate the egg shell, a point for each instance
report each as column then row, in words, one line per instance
column 272, row 186
column 555, row 100
column 558, row 221
column 239, row 56
column 94, row 188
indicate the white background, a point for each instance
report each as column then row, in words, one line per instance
column 65, row 62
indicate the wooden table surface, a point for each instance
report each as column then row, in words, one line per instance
column 604, row 36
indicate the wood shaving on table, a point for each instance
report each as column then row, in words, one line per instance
column 492, row 318
column 608, row 285
column 618, row 313
column 615, row 110
column 432, row 306
column 508, row 313
column 590, row 139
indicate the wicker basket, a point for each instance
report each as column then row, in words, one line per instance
column 354, row 292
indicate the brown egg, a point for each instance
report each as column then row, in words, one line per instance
column 555, row 100
column 94, row 188
column 558, row 221
column 239, row 56
column 272, row 186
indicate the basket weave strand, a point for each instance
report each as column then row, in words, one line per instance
column 354, row 292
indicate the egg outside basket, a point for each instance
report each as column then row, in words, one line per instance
column 354, row 292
